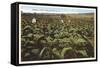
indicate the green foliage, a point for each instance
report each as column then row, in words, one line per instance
column 64, row 51
column 48, row 38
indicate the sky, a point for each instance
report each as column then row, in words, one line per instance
column 54, row 9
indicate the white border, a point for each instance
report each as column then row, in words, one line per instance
column 60, row 60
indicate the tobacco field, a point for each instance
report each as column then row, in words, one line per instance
column 57, row 36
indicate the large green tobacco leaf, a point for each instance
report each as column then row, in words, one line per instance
column 42, row 52
column 65, row 50
column 83, row 53
column 56, row 53
column 30, row 35
column 35, row 51
column 38, row 36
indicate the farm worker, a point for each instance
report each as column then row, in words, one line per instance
column 62, row 21
column 69, row 21
column 34, row 20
